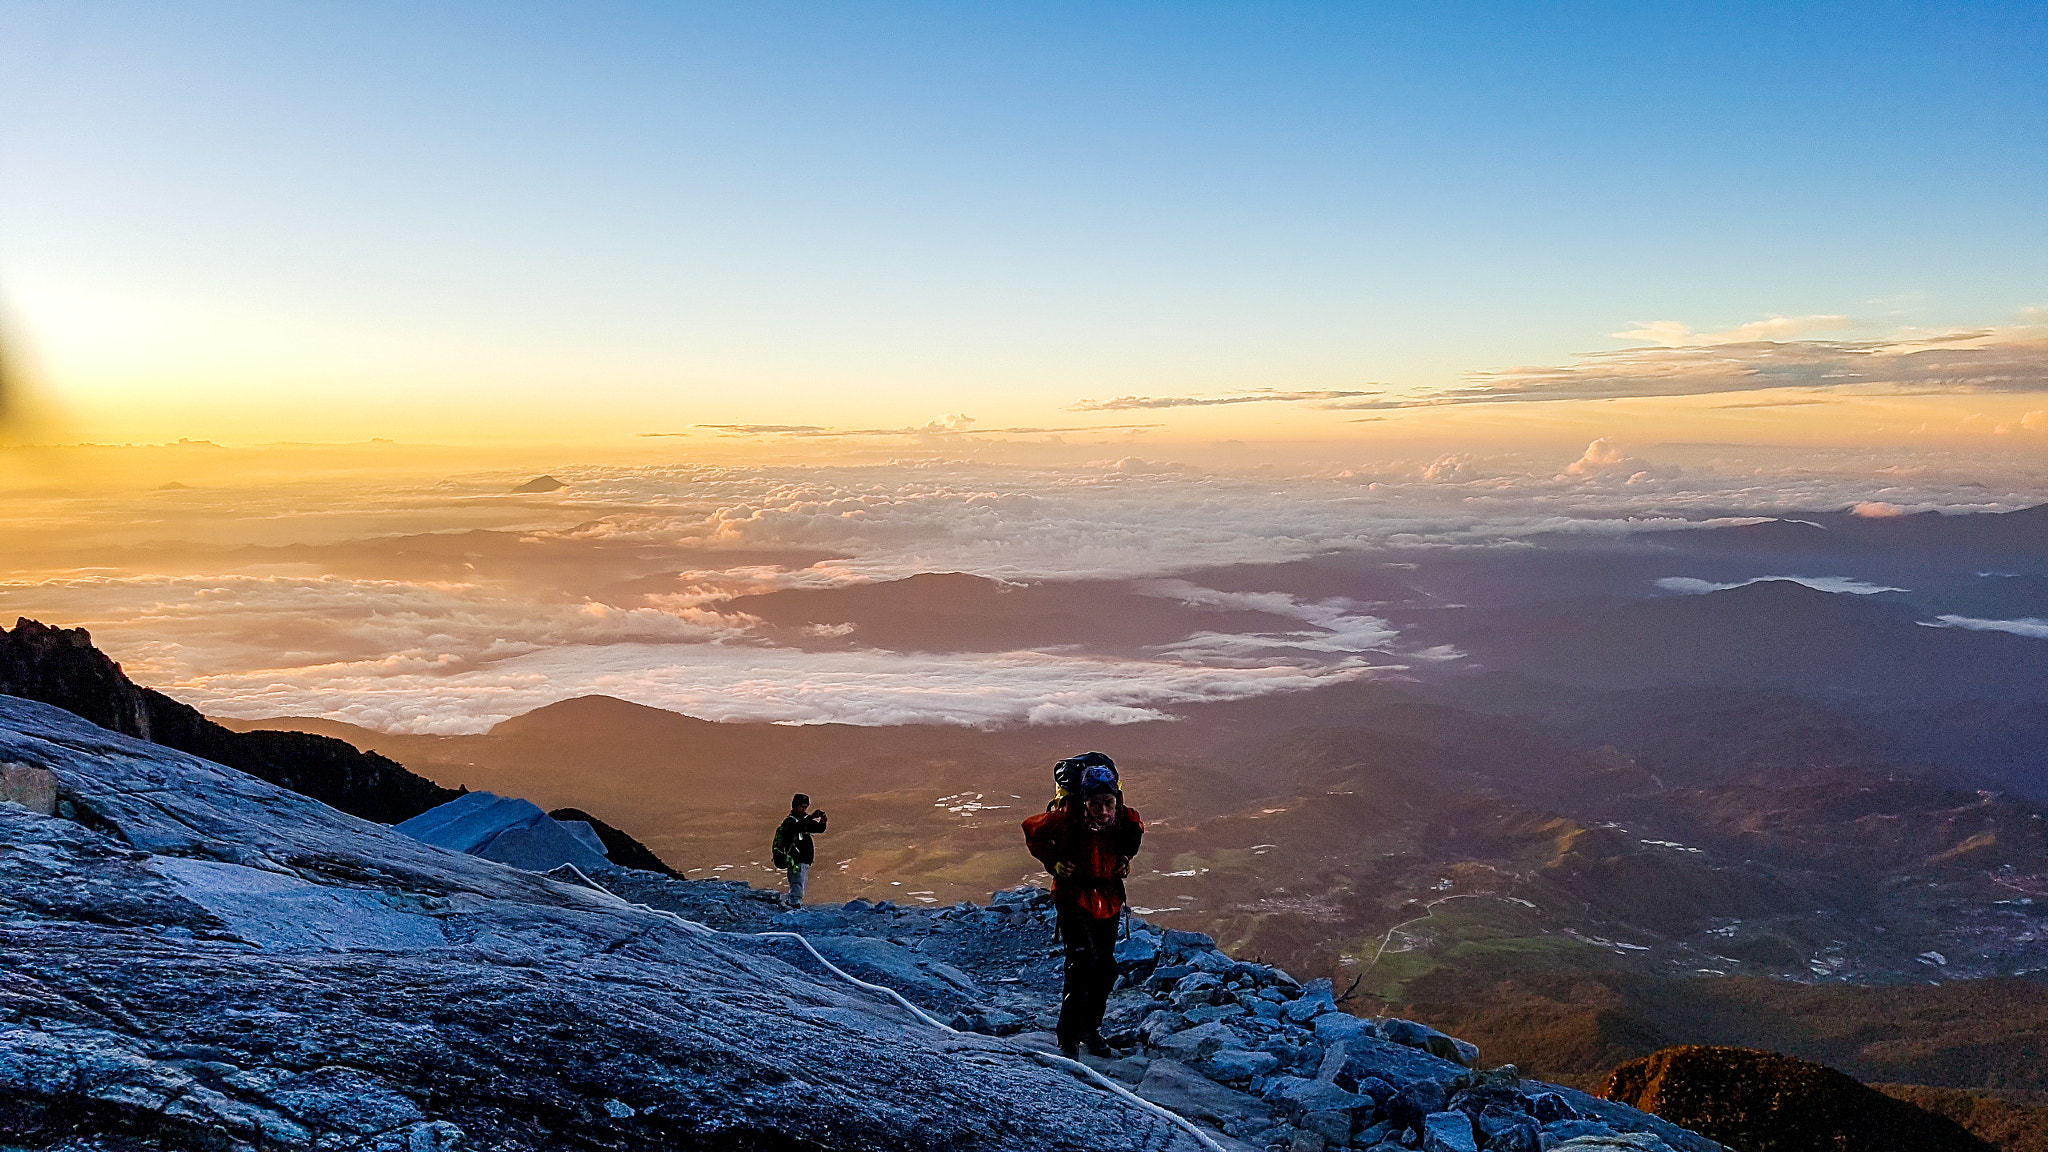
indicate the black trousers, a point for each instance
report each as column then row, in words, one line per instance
column 1090, row 972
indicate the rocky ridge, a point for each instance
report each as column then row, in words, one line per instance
column 193, row 958
column 60, row 666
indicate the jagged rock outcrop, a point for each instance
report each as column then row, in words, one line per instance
column 510, row 831
column 1758, row 1101
column 191, row 956
column 60, row 666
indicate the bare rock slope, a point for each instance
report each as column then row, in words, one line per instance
column 191, row 957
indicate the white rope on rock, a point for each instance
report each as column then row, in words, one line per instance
column 1075, row 1066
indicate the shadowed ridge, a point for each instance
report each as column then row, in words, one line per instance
column 2014, row 1121
column 1757, row 1101
column 60, row 666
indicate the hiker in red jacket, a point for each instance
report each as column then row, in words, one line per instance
column 1087, row 844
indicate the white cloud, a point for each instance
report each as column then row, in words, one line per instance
column 1338, row 629
column 2032, row 626
column 1672, row 334
column 1690, row 586
column 729, row 683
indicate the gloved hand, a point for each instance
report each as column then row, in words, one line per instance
column 1062, row 869
column 1123, row 867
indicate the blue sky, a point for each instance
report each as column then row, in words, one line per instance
column 753, row 212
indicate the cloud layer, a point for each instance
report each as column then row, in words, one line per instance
column 728, row 683
column 614, row 583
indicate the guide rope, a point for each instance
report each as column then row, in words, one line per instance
column 1074, row 1066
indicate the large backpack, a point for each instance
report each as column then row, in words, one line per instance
column 1068, row 776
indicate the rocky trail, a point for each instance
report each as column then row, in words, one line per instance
column 192, row 958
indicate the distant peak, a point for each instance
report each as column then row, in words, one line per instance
column 541, row 484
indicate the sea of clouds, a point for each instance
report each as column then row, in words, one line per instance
column 254, row 633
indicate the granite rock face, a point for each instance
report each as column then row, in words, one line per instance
column 203, row 960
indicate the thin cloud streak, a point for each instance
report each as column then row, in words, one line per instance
column 815, row 431
column 1673, row 334
column 1259, row 396
column 1957, row 364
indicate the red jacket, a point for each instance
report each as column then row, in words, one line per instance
column 1099, row 859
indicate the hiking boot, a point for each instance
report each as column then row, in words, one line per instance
column 1097, row 1046
column 1070, row 1049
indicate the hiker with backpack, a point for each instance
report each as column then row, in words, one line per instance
column 1086, row 838
column 792, row 851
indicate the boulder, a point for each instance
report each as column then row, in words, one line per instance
column 1295, row 1096
column 1372, row 1086
column 1448, row 1132
column 1416, row 1102
column 1333, row 1127
column 1209, row 1013
column 1195, row 1044
column 1426, row 1039
column 1395, row 1064
column 1160, row 1025
column 1341, row 1027
column 1238, row 1066
column 1171, row 1084
column 1509, row 1130
column 1277, row 1087
column 1175, row 940
column 1136, row 953
column 1305, row 1009
column 1165, row 978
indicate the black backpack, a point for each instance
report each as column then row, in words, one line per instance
column 1068, row 774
